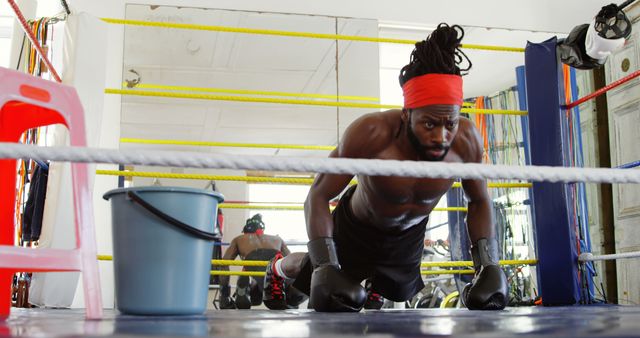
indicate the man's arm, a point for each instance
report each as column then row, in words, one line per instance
column 232, row 251
column 283, row 248
column 331, row 289
column 364, row 138
column 316, row 207
column 230, row 254
column 480, row 208
column 488, row 289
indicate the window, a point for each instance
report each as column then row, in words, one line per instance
column 288, row 224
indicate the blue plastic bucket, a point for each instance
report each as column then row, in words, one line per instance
column 162, row 247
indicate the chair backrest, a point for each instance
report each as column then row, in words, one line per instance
column 28, row 102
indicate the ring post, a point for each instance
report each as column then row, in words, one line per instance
column 559, row 283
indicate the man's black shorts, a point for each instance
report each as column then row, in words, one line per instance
column 391, row 260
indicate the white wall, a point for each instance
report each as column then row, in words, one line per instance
column 535, row 15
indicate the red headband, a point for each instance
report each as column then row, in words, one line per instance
column 431, row 89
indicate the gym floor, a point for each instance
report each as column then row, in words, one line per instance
column 550, row 322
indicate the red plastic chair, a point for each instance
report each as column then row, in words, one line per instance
column 28, row 102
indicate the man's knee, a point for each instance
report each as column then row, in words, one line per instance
column 292, row 264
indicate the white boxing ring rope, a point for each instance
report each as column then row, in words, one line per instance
column 589, row 257
column 368, row 167
column 331, row 166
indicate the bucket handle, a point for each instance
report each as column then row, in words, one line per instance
column 176, row 223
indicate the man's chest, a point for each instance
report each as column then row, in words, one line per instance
column 409, row 190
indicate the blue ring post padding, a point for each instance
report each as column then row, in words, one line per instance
column 556, row 241
column 521, row 87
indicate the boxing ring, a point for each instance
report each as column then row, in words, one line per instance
column 558, row 261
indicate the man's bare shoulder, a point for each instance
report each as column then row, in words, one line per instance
column 369, row 134
column 272, row 237
column 468, row 142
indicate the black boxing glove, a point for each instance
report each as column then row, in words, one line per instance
column 488, row 289
column 331, row 289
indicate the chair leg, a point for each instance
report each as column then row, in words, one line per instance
column 7, row 212
column 91, row 286
column 6, row 278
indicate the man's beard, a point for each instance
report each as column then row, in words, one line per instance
column 422, row 150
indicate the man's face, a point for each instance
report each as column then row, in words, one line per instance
column 431, row 130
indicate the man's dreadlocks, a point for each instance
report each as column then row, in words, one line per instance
column 439, row 53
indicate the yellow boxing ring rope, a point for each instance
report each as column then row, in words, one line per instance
column 300, row 207
column 261, row 274
column 259, row 92
column 225, row 144
column 257, row 179
column 255, row 99
column 228, row 29
column 253, row 92
column 221, row 262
